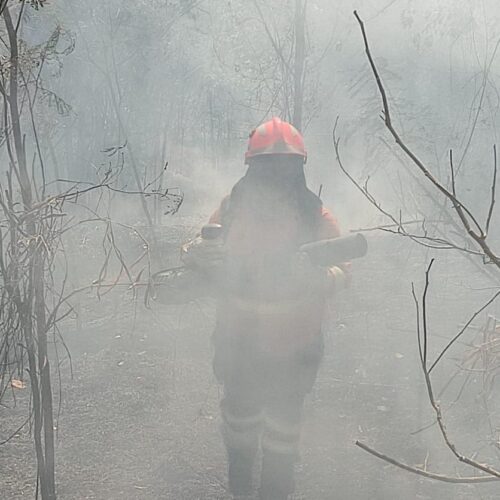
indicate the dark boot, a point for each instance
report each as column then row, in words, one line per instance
column 240, row 468
column 277, row 478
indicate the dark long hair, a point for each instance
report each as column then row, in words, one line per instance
column 279, row 177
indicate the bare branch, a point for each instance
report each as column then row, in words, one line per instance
column 425, row 239
column 465, row 215
column 493, row 189
column 425, row 473
column 463, row 330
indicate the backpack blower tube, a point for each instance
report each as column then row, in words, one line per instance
column 336, row 250
column 181, row 285
column 322, row 253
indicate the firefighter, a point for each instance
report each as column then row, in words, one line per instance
column 271, row 300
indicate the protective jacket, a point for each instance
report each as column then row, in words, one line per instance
column 263, row 301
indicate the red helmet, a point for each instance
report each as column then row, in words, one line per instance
column 275, row 137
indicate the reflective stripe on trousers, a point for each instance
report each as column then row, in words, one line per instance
column 278, row 435
column 264, row 396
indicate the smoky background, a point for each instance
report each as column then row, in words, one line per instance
column 172, row 88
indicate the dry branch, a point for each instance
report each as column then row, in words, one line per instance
column 469, row 224
column 33, row 296
column 468, row 220
column 425, row 473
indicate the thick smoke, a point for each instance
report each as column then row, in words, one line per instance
column 166, row 89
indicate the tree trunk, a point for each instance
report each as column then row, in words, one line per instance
column 299, row 63
column 33, row 305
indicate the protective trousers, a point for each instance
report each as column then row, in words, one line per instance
column 262, row 405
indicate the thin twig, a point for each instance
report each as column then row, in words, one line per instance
column 462, row 331
column 493, row 189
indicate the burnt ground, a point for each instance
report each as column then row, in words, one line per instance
column 139, row 414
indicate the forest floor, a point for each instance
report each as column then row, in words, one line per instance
column 138, row 416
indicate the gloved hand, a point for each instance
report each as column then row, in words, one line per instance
column 203, row 254
column 316, row 280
